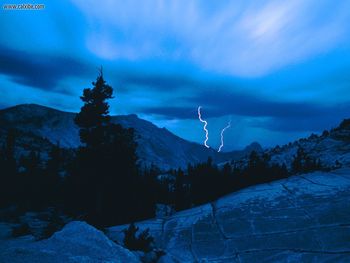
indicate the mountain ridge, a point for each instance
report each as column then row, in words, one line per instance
column 156, row 146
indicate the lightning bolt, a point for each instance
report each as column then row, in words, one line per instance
column 222, row 135
column 204, row 127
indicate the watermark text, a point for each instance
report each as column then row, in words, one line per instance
column 23, row 7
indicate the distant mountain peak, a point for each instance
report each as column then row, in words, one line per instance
column 30, row 106
column 34, row 109
column 254, row 146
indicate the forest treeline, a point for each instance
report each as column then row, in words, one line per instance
column 101, row 183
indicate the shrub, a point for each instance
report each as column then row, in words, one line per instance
column 56, row 223
column 21, row 230
column 303, row 163
column 142, row 242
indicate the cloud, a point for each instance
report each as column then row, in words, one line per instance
column 222, row 102
column 241, row 38
column 41, row 71
column 255, row 60
column 217, row 103
column 158, row 81
column 271, row 115
column 316, row 124
column 172, row 112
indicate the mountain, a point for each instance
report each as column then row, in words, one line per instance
column 303, row 218
column 331, row 148
column 156, row 146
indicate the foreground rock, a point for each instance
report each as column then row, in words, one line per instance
column 304, row 218
column 76, row 242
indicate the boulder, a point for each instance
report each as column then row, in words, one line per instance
column 76, row 242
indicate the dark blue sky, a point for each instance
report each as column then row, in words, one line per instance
column 279, row 70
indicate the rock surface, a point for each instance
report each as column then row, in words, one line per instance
column 331, row 148
column 76, row 242
column 304, row 218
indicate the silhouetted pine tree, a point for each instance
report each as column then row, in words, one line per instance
column 54, row 164
column 94, row 115
column 105, row 171
column 205, row 182
column 31, row 163
column 298, row 162
column 52, row 178
column 8, row 173
column 303, row 163
column 180, row 191
column 33, row 181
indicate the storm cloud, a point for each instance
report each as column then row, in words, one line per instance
column 39, row 70
column 271, row 66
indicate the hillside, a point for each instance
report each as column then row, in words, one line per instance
column 332, row 148
column 156, row 146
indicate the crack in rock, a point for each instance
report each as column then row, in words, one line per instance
column 309, row 180
column 293, row 203
column 163, row 225
column 224, row 236
column 191, row 247
column 216, row 222
column 288, row 231
column 307, row 215
column 295, row 250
